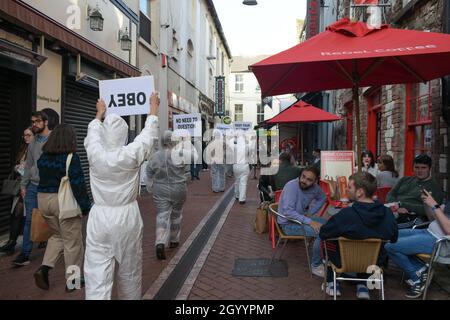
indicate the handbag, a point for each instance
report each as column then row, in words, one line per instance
column 68, row 205
column 261, row 224
column 10, row 186
column 40, row 231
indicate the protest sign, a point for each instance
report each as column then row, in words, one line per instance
column 128, row 96
column 240, row 125
column 187, row 123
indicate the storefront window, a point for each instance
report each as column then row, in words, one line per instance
column 374, row 122
column 419, row 132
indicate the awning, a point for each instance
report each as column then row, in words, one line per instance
column 30, row 19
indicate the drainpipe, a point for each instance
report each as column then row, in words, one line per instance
column 446, row 92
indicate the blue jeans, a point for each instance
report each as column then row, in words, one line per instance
column 30, row 202
column 410, row 242
column 294, row 229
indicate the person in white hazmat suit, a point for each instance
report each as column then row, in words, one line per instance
column 166, row 170
column 114, row 229
column 243, row 147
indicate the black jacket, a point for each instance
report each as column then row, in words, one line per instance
column 361, row 221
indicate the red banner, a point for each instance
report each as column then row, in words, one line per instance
column 366, row 2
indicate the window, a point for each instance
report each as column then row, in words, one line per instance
column 191, row 64
column 374, row 123
column 238, row 82
column 175, row 46
column 260, row 113
column 145, row 20
column 238, row 112
column 418, row 122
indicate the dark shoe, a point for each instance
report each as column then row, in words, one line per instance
column 42, row 245
column 21, row 260
column 416, row 290
column 9, row 248
column 160, row 254
column 241, row 202
column 41, row 277
column 173, row 245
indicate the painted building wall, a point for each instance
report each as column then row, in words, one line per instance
column 70, row 12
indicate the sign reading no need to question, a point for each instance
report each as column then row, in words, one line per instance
column 129, row 96
column 187, row 123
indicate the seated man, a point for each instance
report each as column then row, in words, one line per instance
column 286, row 172
column 364, row 219
column 297, row 196
column 414, row 241
column 407, row 191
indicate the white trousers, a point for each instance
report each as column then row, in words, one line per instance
column 241, row 172
column 114, row 234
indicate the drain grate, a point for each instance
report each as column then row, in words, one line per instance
column 259, row 268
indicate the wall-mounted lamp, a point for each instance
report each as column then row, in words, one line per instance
column 250, row 2
column 211, row 58
column 125, row 40
column 95, row 18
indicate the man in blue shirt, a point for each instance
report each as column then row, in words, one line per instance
column 299, row 196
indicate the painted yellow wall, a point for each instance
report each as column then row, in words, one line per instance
column 49, row 83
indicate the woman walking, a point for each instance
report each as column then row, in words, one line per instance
column 17, row 211
column 57, row 160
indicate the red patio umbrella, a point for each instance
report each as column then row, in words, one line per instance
column 302, row 112
column 353, row 55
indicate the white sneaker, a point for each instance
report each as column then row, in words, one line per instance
column 318, row 271
column 362, row 292
column 330, row 289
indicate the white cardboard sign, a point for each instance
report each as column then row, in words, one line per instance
column 188, row 123
column 240, row 125
column 128, row 96
column 223, row 127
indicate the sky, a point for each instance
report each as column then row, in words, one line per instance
column 267, row 28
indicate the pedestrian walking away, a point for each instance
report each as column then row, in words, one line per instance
column 57, row 161
column 114, row 229
column 166, row 169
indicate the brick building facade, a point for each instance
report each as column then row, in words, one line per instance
column 400, row 120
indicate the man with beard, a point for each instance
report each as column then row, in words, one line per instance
column 30, row 181
column 363, row 220
column 297, row 196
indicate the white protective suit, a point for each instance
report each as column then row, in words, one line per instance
column 243, row 150
column 167, row 170
column 114, row 229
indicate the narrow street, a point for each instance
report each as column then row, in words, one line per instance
column 209, row 277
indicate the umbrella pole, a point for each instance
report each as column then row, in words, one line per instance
column 301, row 132
column 358, row 124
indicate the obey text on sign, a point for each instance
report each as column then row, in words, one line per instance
column 129, row 96
column 187, row 123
